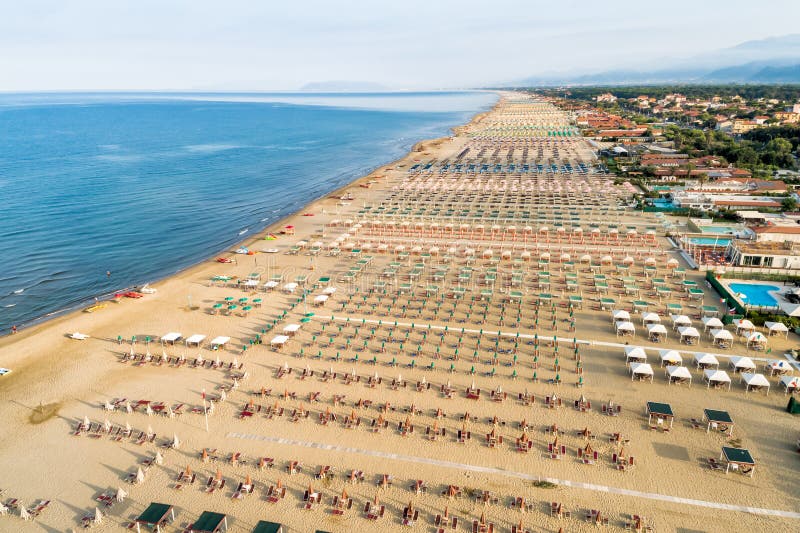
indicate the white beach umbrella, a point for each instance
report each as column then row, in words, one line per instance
column 128, row 427
column 150, row 432
column 170, row 412
column 98, row 516
column 121, row 495
column 175, row 442
column 107, row 425
column 149, row 410
column 24, row 514
column 139, row 476
column 223, row 396
column 108, row 406
column 86, row 421
column 128, row 407
column 3, row 509
column 235, row 362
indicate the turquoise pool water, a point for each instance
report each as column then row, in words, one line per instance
column 661, row 188
column 664, row 204
column 709, row 241
column 756, row 294
column 720, row 230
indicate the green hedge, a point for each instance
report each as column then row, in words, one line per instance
column 726, row 295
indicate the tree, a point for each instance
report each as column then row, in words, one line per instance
column 789, row 203
column 779, row 146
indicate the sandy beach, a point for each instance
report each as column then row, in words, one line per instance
column 440, row 333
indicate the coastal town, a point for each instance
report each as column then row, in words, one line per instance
column 561, row 317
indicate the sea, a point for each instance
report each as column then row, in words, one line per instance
column 103, row 192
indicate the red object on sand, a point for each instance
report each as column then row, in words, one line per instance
column 308, row 214
column 132, row 294
column 224, row 260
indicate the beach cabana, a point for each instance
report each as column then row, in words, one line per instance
column 641, row 372
column 620, row 315
column 625, row 328
column 290, row 287
column 155, row 516
column 291, row 329
column 718, row 420
column 671, row 357
column 219, row 342
column 171, row 337
column 716, row 378
column 755, row 382
column 650, row 318
column 679, row 374
column 689, row 335
column 738, row 459
column 656, row 332
column 756, row 340
column 705, row 361
column 712, row 322
column 195, row 340
column 320, row 299
column 680, row 321
column 209, row 522
column 743, row 326
column 268, row 527
column 278, row 341
column 776, row 328
column 635, row 354
column 659, row 411
column 741, row 364
column 722, row 338
column 790, row 384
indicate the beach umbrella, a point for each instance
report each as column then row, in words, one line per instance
column 121, row 495
column 128, row 407
column 86, row 422
column 159, row 459
column 150, row 432
column 24, row 514
column 223, row 396
column 98, row 516
column 128, row 427
column 139, row 476
column 149, row 410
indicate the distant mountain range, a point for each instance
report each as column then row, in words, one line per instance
column 772, row 60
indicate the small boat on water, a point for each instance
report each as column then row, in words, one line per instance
column 95, row 307
column 245, row 230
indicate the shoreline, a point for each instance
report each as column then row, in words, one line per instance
column 30, row 328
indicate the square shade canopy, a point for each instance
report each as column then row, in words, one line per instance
column 722, row 417
column 659, row 409
column 738, row 455
column 155, row 514
column 208, row 522
column 268, row 527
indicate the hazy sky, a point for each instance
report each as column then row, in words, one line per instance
column 272, row 44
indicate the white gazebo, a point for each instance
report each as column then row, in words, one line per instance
column 278, row 341
column 219, row 342
column 625, row 328
column 689, row 335
column 705, row 360
column 620, row 315
column 790, row 384
column 680, row 321
column 671, row 357
column 712, row 322
column 635, row 354
column 650, row 318
column 655, row 332
column 756, row 340
column 195, row 340
column 755, row 382
column 742, row 364
column 641, row 371
column 170, row 338
column 722, row 338
column 743, row 326
column 679, row 374
column 320, row 299
column 716, row 378
column 776, row 328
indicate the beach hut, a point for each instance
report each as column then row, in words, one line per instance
column 219, row 342
column 790, row 384
column 209, row 522
column 641, row 372
column 755, row 382
column 620, row 315
column 738, row 459
column 722, row 338
column 656, row 332
column 320, row 299
column 705, row 361
column 195, row 340
column 278, row 342
column 743, row 326
column 716, row 378
column 671, row 357
column 625, row 328
column 689, row 335
column 720, row 420
column 778, row 367
column 678, row 374
column 680, row 321
column 660, row 411
column 171, row 338
column 776, row 328
column 741, row 364
column 755, row 340
column 712, row 322
column 650, row 318
column 155, row 516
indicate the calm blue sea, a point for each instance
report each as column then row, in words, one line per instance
column 145, row 185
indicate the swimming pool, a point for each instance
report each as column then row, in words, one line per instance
column 709, row 241
column 755, row 294
column 664, row 204
column 721, row 230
